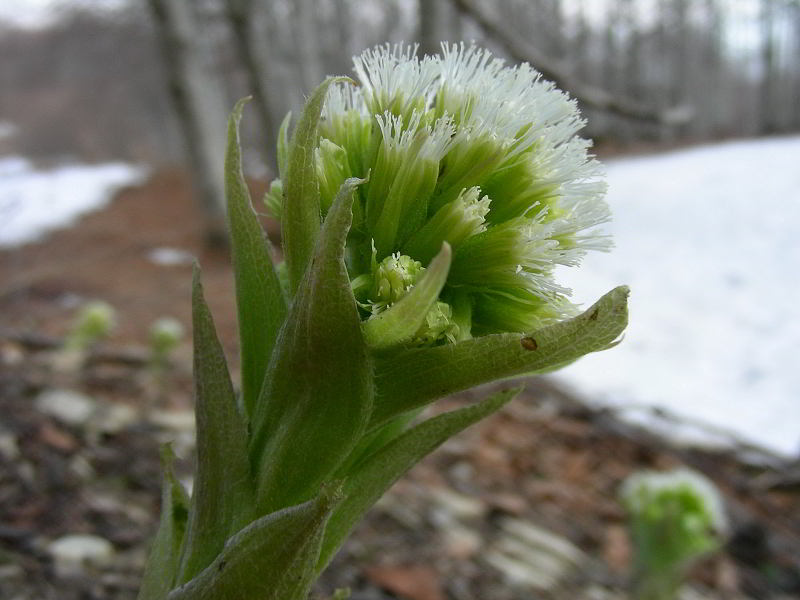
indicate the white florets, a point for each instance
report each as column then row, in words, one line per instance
column 437, row 132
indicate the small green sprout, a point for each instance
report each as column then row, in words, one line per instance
column 165, row 335
column 94, row 321
column 676, row 518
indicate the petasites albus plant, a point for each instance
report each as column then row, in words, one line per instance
column 675, row 519
column 423, row 209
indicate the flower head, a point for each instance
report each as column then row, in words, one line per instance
column 460, row 148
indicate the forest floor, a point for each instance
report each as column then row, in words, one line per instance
column 523, row 505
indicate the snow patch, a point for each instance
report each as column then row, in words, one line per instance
column 34, row 202
column 167, row 257
column 707, row 240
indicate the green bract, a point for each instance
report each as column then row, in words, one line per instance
column 459, row 148
column 400, row 285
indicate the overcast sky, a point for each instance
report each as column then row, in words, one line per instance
column 36, row 13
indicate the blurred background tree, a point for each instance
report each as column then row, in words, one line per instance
column 151, row 82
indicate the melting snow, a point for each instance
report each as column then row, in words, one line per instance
column 33, row 202
column 709, row 241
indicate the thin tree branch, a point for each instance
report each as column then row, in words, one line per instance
column 558, row 71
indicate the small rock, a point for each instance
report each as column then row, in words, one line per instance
column 10, row 571
column 175, row 420
column 169, row 257
column 68, row 406
column 82, row 468
column 508, row 502
column 521, row 572
column 460, row 542
column 538, row 537
column 11, row 354
column 114, row 418
column 458, row 505
column 531, row 556
column 74, row 554
column 462, row 471
column 9, row 449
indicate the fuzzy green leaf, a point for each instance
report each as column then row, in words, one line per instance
column 301, row 210
column 371, row 478
column 223, row 492
column 398, row 323
column 260, row 305
column 273, row 558
column 162, row 563
column 319, row 395
column 410, row 378
column 283, row 144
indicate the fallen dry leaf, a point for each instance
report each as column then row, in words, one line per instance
column 413, row 582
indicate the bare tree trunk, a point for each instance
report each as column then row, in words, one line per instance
column 795, row 88
column 579, row 45
column 197, row 98
column 555, row 27
column 344, row 23
column 713, row 85
column 306, row 45
column 430, row 25
column 249, row 20
column 769, row 65
column 438, row 22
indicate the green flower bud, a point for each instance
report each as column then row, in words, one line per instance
column 438, row 325
column 392, row 279
column 415, row 313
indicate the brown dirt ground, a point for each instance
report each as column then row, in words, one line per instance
column 547, row 459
